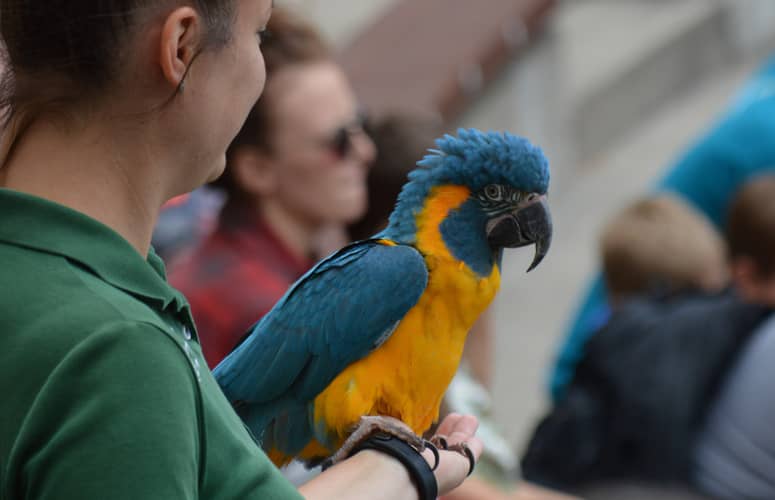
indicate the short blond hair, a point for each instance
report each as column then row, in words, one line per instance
column 661, row 242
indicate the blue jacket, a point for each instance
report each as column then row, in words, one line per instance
column 738, row 146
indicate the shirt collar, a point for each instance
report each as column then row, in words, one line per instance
column 45, row 226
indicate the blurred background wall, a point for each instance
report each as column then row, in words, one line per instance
column 613, row 90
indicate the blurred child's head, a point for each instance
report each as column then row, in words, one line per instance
column 750, row 233
column 661, row 243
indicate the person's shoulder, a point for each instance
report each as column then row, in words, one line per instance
column 650, row 317
column 133, row 350
column 74, row 303
column 665, row 303
column 113, row 351
column 50, row 306
column 122, row 402
column 653, row 311
column 725, row 308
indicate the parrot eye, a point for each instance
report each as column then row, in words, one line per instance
column 493, row 192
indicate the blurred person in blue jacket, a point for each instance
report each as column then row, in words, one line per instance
column 738, row 146
column 674, row 389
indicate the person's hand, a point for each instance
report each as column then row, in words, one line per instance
column 454, row 466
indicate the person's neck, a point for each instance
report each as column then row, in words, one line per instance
column 297, row 234
column 99, row 170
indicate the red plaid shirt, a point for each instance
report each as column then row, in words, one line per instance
column 233, row 278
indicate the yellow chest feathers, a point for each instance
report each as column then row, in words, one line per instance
column 451, row 280
column 407, row 376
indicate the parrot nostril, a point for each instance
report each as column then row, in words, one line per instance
column 532, row 197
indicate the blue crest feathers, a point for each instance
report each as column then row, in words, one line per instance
column 475, row 159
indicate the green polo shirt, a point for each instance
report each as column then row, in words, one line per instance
column 104, row 393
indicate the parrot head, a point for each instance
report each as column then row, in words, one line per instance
column 500, row 184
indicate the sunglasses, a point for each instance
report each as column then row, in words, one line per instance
column 340, row 143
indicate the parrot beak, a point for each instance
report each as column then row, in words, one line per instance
column 530, row 223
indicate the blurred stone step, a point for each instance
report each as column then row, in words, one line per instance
column 624, row 58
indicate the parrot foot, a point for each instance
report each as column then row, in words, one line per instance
column 441, row 443
column 370, row 425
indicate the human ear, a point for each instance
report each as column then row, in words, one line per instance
column 181, row 38
column 253, row 171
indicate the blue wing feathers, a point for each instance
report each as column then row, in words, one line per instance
column 290, row 430
column 334, row 315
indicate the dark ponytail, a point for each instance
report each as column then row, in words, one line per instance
column 57, row 52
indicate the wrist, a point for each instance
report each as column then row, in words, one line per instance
column 417, row 465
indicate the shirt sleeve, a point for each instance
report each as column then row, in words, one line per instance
column 118, row 418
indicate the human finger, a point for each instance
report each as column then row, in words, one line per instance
column 453, row 466
column 455, row 422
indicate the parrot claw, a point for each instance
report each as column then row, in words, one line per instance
column 436, row 457
column 462, row 448
column 370, row 425
column 440, row 441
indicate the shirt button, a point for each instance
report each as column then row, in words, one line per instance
column 186, row 333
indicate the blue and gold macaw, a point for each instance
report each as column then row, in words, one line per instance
column 378, row 327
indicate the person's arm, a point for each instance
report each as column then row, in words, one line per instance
column 476, row 488
column 529, row 491
column 117, row 418
column 376, row 476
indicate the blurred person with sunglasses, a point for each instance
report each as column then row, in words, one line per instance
column 295, row 177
